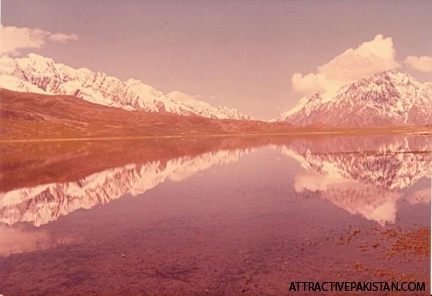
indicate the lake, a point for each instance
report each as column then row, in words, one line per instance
column 216, row 216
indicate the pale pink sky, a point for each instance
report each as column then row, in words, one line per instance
column 236, row 53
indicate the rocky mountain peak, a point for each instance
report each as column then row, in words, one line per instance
column 384, row 99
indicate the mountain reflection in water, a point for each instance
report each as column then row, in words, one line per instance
column 45, row 203
column 361, row 175
column 362, row 181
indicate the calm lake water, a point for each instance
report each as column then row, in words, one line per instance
column 248, row 218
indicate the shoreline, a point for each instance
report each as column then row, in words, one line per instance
column 410, row 131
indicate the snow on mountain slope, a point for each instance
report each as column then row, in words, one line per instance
column 385, row 99
column 13, row 83
column 45, row 203
column 206, row 109
column 34, row 73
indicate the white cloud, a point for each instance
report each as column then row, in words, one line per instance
column 62, row 38
column 13, row 39
column 423, row 63
column 369, row 58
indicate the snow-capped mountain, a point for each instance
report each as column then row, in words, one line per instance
column 385, row 99
column 47, row 202
column 35, row 73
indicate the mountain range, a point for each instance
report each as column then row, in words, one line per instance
column 35, row 73
column 388, row 98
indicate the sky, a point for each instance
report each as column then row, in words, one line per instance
column 258, row 56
